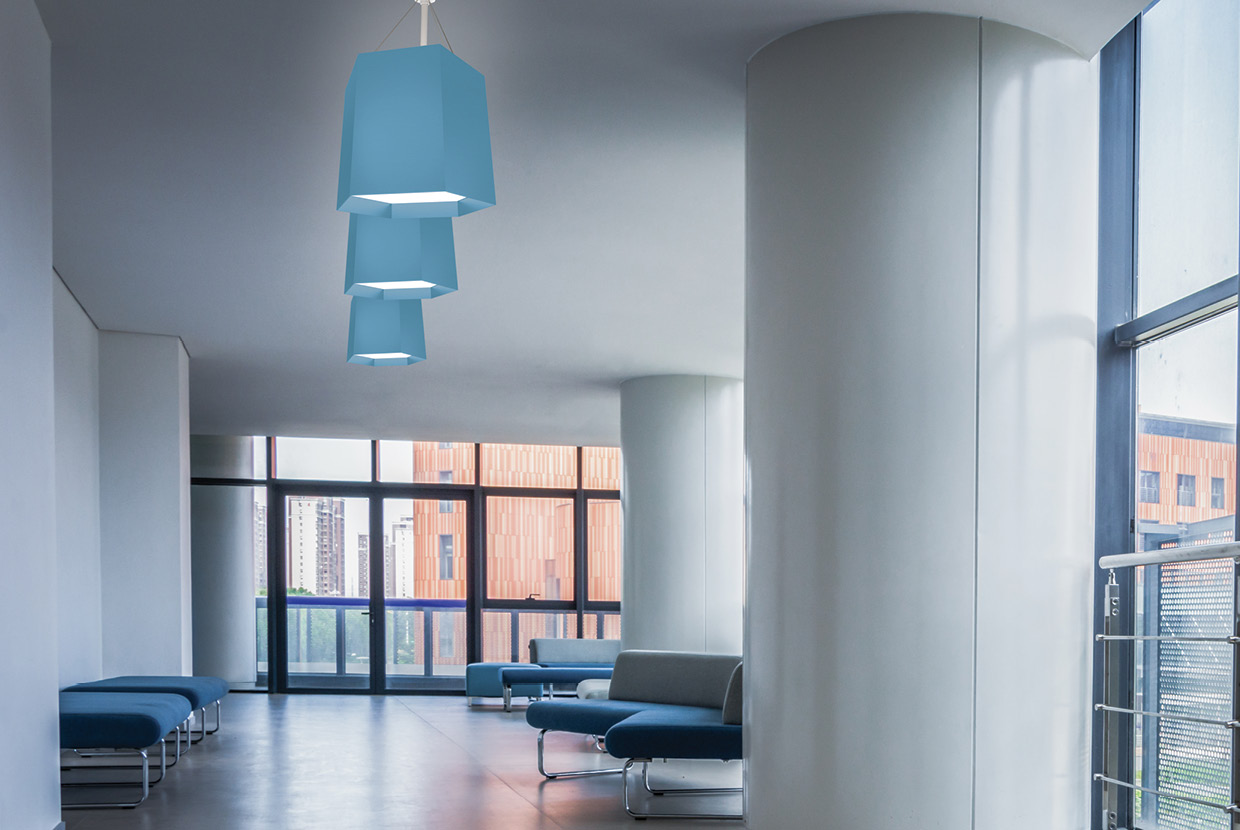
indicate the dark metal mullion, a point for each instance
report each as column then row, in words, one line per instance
column 475, row 565
column 580, row 577
column 378, row 605
column 277, row 581
column 474, row 576
column 396, row 490
column 530, row 605
column 1187, row 311
column 1115, row 491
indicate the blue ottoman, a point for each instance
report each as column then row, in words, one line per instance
column 120, row 724
column 483, row 680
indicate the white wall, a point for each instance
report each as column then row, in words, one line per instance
column 77, row 490
column 683, row 497
column 919, row 434
column 29, row 774
column 144, row 504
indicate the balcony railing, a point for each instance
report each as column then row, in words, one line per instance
column 329, row 637
column 1169, row 709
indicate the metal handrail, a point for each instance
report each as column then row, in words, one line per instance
column 1199, row 553
column 1227, row 808
column 1229, row 724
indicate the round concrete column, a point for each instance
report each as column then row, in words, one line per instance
column 683, row 496
column 919, row 387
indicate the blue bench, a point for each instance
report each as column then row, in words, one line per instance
column 201, row 691
column 661, row 705
column 483, row 680
column 120, row 724
column 522, row 676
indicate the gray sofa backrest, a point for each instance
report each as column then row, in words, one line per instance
column 556, row 650
column 679, row 677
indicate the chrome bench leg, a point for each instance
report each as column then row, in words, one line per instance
column 645, row 762
column 580, row 773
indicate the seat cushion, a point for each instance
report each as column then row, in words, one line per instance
column 589, row 717
column 199, row 691
column 593, row 689
column 685, row 732
column 130, row 720
column 542, row 674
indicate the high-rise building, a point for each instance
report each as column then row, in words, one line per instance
column 260, row 548
column 316, row 545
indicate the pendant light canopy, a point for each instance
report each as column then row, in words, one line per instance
column 386, row 332
column 400, row 259
column 416, row 140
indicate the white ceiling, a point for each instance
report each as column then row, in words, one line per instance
column 195, row 157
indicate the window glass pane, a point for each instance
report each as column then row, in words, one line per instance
column 529, row 465
column 529, row 548
column 228, row 456
column 600, row 468
column 605, row 550
column 1187, row 169
column 328, row 628
column 602, row 626
column 424, row 592
column 1186, row 435
column 396, row 461
column 426, row 462
column 438, row 462
column 326, row 459
column 506, row 634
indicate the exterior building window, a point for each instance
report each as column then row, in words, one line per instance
column 445, row 445
column 1149, row 486
column 445, row 477
column 1186, row 490
column 445, row 556
column 1217, row 494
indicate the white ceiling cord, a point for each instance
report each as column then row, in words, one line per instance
column 427, row 10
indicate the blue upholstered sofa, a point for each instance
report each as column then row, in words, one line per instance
column 553, row 662
column 661, row 704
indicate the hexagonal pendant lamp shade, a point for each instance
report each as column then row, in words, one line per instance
column 400, row 259
column 386, row 332
column 416, row 140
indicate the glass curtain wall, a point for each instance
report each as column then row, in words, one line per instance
column 1175, row 361
column 464, row 552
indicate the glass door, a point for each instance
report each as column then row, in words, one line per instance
column 327, row 551
column 423, row 572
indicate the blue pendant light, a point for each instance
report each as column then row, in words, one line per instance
column 386, row 332
column 400, row 259
column 416, row 140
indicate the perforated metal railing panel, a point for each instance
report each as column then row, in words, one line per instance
column 1195, row 600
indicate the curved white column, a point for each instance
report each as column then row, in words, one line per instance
column 920, row 309
column 683, row 497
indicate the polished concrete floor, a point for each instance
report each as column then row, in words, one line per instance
column 344, row 762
